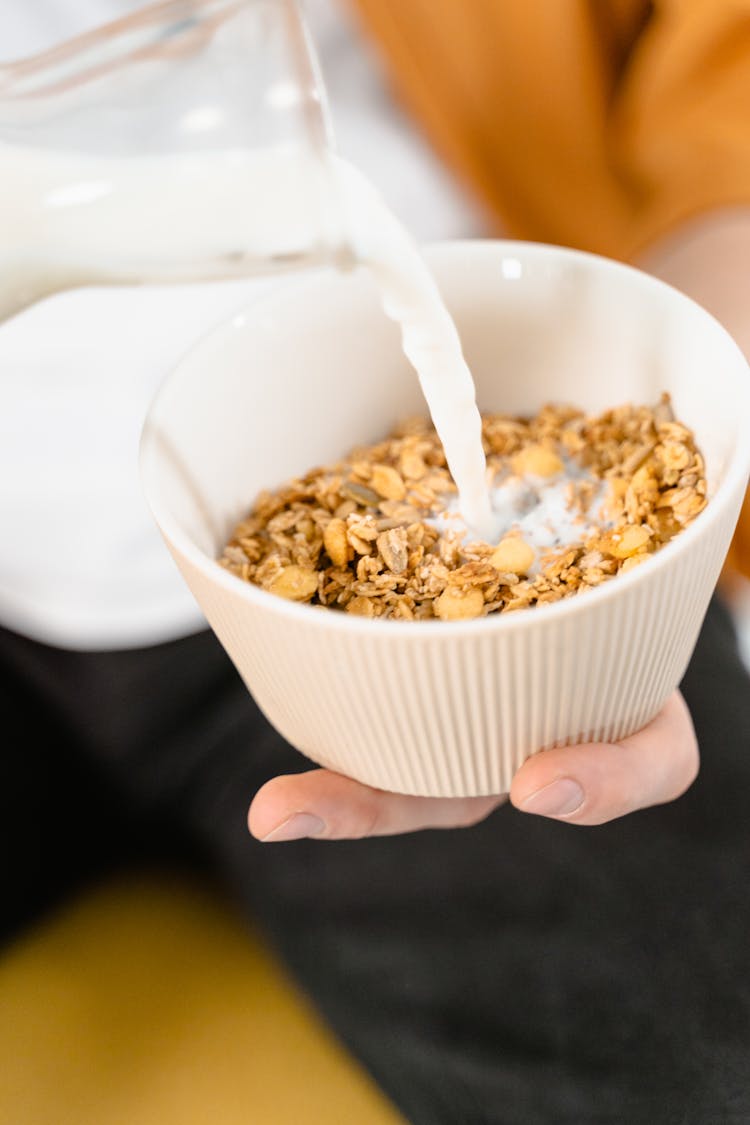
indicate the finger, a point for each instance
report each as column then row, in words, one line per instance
column 594, row 783
column 327, row 806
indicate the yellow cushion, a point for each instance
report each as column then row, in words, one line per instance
column 149, row 1002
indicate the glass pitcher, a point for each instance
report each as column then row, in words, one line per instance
column 189, row 141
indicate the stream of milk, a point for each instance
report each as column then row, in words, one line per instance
column 68, row 219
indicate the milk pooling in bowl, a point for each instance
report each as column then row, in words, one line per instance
column 71, row 219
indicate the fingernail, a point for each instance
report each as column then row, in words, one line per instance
column 296, row 827
column 561, row 798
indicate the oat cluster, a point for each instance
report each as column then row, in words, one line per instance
column 353, row 536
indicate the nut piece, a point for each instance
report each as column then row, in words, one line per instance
column 345, row 508
column 360, row 545
column 622, row 544
column 513, row 555
column 632, row 562
column 295, row 583
column 361, row 607
column 361, row 533
column 335, row 542
column 388, row 482
column 394, row 549
column 452, row 605
column 536, row 461
column 412, row 465
column 403, row 513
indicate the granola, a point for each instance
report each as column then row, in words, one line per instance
column 376, row 535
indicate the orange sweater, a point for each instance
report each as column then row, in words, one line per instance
column 599, row 124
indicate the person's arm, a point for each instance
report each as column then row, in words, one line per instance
column 709, row 259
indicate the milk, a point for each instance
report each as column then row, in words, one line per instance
column 540, row 510
column 430, row 340
column 69, row 219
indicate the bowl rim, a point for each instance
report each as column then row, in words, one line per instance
column 738, row 468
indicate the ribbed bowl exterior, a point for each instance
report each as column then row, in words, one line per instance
column 448, row 708
column 455, row 713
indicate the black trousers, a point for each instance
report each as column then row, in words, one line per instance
column 519, row 972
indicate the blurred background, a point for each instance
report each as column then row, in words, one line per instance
column 145, row 999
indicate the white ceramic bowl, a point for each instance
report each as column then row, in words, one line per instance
column 447, row 708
